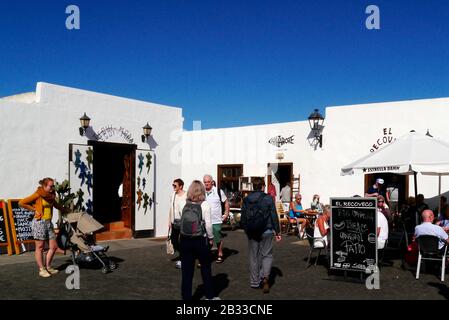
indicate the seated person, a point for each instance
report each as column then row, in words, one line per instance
column 322, row 229
column 296, row 211
column 427, row 228
column 382, row 230
column 316, row 205
column 444, row 220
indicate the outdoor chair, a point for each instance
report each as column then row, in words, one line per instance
column 312, row 244
column 428, row 250
column 284, row 221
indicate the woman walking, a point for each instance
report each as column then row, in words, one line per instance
column 196, row 240
column 41, row 203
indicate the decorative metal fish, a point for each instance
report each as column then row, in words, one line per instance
column 149, row 162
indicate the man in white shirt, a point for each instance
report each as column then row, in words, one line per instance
column 286, row 197
column 217, row 216
column 382, row 230
column 427, row 228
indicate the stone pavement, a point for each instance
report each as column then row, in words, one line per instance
column 146, row 273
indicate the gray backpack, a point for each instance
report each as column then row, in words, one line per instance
column 192, row 224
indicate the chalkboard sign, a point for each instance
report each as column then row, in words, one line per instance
column 5, row 239
column 20, row 220
column 353, row 233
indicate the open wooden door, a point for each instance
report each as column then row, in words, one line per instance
column 127, row 205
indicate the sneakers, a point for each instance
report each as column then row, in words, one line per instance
column 178, row 265
column 44, row 273
column 265, row 286
column 52, row 271
column 214, row 298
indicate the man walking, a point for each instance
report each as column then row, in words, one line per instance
column 216, row 199
column 260, row 222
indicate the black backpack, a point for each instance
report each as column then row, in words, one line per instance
column 255, row 218
column 192, row 224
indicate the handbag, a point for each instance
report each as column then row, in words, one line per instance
column 169, row 244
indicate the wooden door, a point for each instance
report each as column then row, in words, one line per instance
column 128, row 192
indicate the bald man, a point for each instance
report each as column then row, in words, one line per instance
column 427, row 228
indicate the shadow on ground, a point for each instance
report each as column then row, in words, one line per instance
column 220, row 282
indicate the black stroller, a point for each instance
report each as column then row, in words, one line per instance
column 76, row 233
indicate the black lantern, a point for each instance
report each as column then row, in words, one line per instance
column 316, row 121
column 85, row 123
column 146, row 132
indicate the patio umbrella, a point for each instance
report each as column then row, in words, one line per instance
column 410, row 154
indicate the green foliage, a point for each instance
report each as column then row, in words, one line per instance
column 65, row 196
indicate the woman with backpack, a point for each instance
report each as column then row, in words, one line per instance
column 195, row 240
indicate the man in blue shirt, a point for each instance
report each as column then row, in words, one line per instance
column 427, row 228
column 376, row 189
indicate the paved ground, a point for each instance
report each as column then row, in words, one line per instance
column 146, row 272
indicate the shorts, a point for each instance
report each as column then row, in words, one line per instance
column 42, row 230
column 216, row 228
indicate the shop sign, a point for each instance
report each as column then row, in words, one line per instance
column 108, row 132
column 279, row 141
column 387, row 138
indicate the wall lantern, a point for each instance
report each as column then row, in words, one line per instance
column 146, row 132
column 85, row 123
column 316, row 121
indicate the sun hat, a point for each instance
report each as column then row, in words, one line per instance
column 380, row 181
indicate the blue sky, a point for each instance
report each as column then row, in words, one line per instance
column 234, row 62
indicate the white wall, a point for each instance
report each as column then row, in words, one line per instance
column 349, row 134
column 36, row 136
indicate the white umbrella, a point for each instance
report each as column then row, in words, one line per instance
column 409, row 154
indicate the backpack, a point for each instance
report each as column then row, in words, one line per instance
column 255, row 218
column 192, row 225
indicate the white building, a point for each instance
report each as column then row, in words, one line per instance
column 349, row 133
column 39, row 129
column 41, row 138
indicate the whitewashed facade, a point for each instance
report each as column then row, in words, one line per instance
column 349, row 133
column 37, row 129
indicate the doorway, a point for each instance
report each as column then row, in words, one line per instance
column 390, row 179
column 280, row 174
column 113, row 176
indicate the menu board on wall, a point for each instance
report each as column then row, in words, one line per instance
column 5, row 239
column 20, row 220
column 353, row 234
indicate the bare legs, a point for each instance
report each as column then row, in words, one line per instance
column 49, row 256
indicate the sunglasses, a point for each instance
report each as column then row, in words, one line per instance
column 381, row 201
column 175, row 186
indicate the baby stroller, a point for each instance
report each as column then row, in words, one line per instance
column 76, row 233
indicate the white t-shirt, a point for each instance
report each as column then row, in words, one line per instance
column 205, row 208
column 214, row 200
column 176, row 206
column 286, row 194
column 382, row 223
column 317, row 235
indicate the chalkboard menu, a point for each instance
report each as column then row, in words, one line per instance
column 20, row 220
column 5, row 240
column 353, row 233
